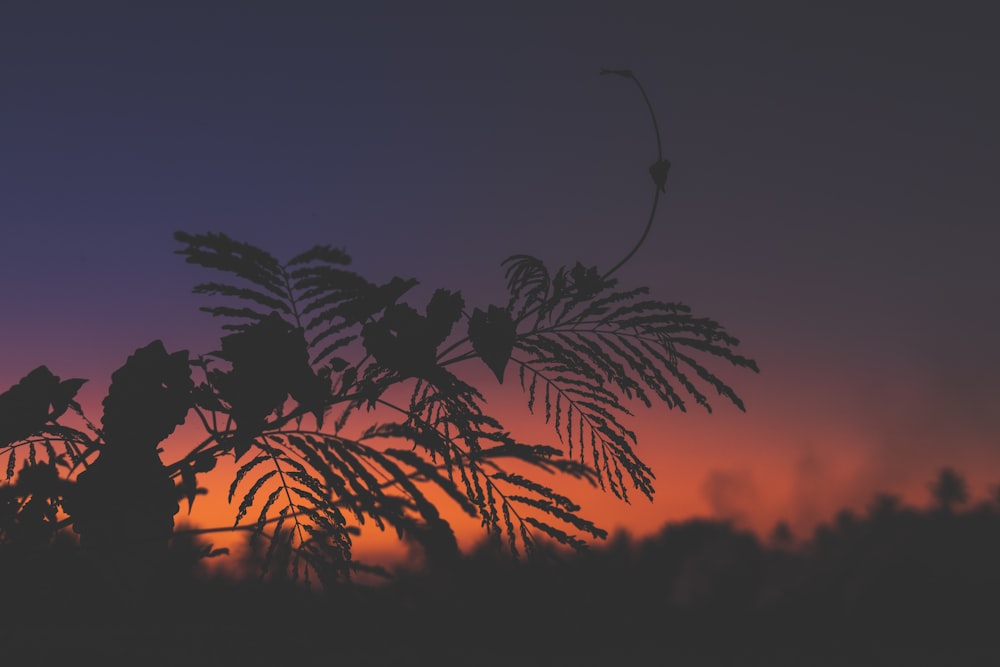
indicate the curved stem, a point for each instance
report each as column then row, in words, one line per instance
column 642, row 239
column 628, row 74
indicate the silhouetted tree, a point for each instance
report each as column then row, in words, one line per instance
column 308, row 346
column 884, row 506
column 949, row 489
column 781, row 535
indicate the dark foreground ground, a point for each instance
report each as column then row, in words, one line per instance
column 895, row 587
column 283, row 639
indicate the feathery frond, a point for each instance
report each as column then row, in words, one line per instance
column 585, row 346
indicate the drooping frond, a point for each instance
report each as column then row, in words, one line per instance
column 508, row 504
column 309, row 489
column 294, row 508
column 585, row 348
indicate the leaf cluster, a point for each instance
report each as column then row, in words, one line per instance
column 309, row 337
column 309, row 346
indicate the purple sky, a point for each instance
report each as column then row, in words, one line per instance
column 833, row 196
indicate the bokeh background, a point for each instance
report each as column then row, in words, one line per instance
column 832, row 201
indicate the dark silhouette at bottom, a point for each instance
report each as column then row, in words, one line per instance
column 894, row 585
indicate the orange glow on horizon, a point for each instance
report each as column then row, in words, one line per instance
column 753, row 468
column 706, row 466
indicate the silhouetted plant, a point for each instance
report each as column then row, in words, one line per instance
column 309, row 346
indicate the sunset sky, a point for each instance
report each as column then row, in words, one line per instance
column 833, row 201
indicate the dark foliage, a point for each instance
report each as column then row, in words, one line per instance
column 309, row 347
column 905, row 586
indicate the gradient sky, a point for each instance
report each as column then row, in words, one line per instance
column 833, row 201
